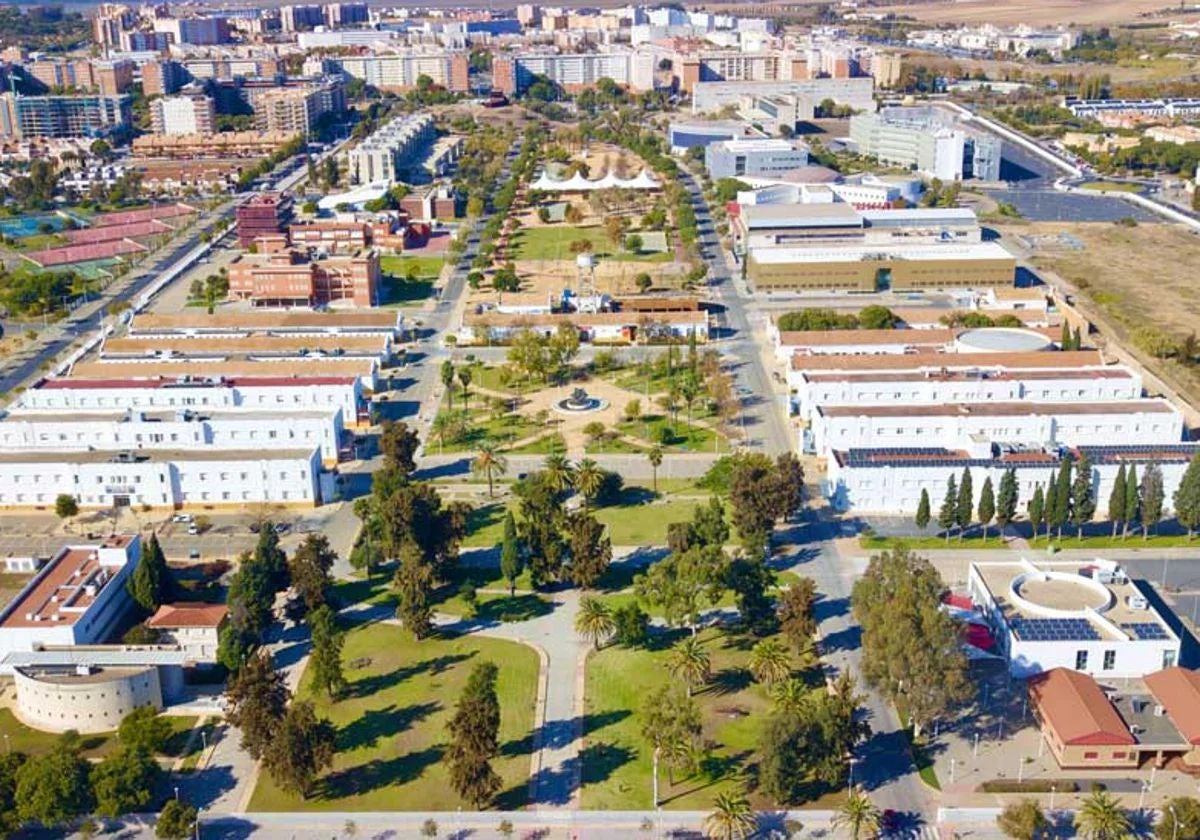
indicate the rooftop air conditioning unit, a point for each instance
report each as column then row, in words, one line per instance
column 1137, row 602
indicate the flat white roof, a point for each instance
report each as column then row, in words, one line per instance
column 860, row 253
column 767, row 144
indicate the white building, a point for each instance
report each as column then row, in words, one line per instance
column 379, row 158
column 181, row 428
column 738, row 158
column 995, row 384
column 898, row 425
column 182, row 115
column 1088, row 617
column 889, row 480
column 857, row 92
column 283, row 393
column 77, row 598
column 929, row 140
column 161, row 477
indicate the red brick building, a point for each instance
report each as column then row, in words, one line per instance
column 263, row 214
column 285, row 278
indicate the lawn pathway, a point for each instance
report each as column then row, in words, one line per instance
column 558, row 739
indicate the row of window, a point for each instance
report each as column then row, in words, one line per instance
column 828, row 397
column 999, row 432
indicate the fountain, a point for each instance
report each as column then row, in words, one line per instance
column 580, row 401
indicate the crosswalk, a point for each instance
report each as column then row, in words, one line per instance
column 923, row 832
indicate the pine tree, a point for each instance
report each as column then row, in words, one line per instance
column 987, row 505
column 948, row 512
column 271, row 556
column 964, row 510
column 922, row 518
column 1116, row 500
column 1058, row 513
column 1187, row 497
column 510, row 554
column 1037, row 509
column 1007, row 499
column 149, row 585
column 474, row 738
column 326, row 656
column 1083, row 496
column 1152, row 498
column 1133, row 501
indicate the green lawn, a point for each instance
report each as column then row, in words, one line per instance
column 616, row 762
column 20, row 738
column 486, row 425
column 1112, row 186
column 698, row 438
column 545, row 445
column 398, row 289
column 391, row 724
column 553, row 243
column 614, row 445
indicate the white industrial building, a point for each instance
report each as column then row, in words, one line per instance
column 766, row 157
column 77, row 598
column 1084, row 616
column 162, row 477
column 889, row 480
column 900, row 425
column 856, row 92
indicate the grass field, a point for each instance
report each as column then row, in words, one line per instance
column 553, row 243
column 20, row 738
column 680, row 437
column 1112, row 186
column 398, row 289
column 616, row 761
column 391, row 724
column 485, row 425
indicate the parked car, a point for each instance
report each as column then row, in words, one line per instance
column 193, row 529
column 182, row 517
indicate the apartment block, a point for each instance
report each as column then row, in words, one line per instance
column 161, row 78
column 299, row 18
column 199, row 32
column 62, row 116
column 183, row 115
column 380, row 157
column 140, row 41
column 400, row 71
column 297, row 110
column 59, row 74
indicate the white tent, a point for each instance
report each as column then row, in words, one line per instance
column 577, row 183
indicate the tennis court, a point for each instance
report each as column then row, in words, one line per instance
column 23, row 226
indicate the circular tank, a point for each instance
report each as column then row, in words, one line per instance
column 1001, row 340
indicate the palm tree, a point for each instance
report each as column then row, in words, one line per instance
column 447, row 374
column 690, row 662
column 464, row 376
column 588, row 479
column 770, row 662
column 1101, row 817
column 689, row 389
column 594, row 621
column 858, row 816
column 731, row 818
column 489, row 464
column 559, row 473
column 655, row 457
column 790, row 696
column 443, row 426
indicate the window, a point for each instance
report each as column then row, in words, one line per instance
column 1110, row 660
column 1120, row 755
column 1080, row 660
column 1091, row 755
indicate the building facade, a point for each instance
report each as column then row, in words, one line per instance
column 63, row 116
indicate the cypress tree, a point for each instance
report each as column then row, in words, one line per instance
column 150, row 583
column 1083, row 497
column 474, row 738
column 1037, row 509
column 1007, row 499
column 1064, row 340
column 1187, row 497
column 966, row 502
column 1056, row 515
column 1133, row 501
column 948, row 512
column 1116, row 500
column 271, row 557
column 1152, row 498
column 1077, row 340
column 510, row 554
column 923, row 512
column 987, row 505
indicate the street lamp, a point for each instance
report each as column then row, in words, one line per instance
column 1174, row 823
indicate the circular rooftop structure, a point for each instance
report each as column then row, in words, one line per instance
column 1001, row 340
column 1059, row 595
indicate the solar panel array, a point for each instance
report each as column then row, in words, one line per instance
column 1147, row 630
column 1054, row 630
column 1139, row 452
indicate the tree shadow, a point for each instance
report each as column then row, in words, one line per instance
column 848, row 639
column 720, row 769
column 730, row 681
column 367, row 686
column 513, row 608
column 375, row 724
column 601, row 760
column 377, row 773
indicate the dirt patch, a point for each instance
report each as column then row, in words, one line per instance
column 1128, row 278
column 1032, row 12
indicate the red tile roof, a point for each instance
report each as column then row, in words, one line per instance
column 1072, row 704
column 188, row 615
column 1178, row 691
